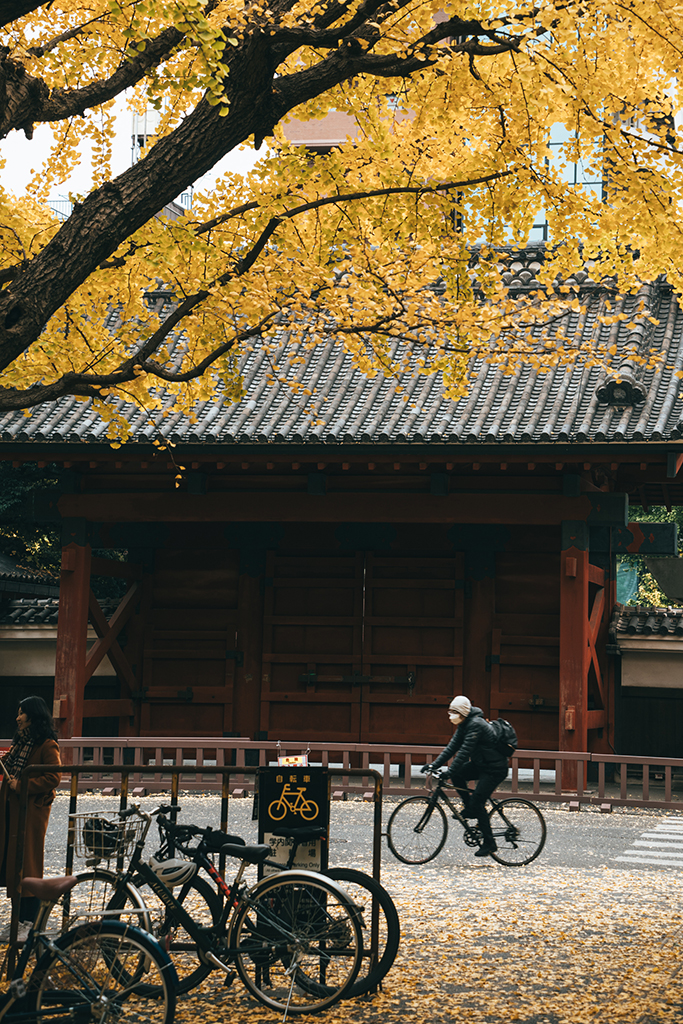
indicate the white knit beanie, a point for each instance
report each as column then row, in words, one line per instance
column 461, row 705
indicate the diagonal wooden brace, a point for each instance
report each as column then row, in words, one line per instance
column 107, row 632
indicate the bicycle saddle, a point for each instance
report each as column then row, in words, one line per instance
column 302, row 835
column 215, row 841
column 252, row 854
column 50, row 888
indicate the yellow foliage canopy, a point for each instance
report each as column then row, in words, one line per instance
column 399, row 234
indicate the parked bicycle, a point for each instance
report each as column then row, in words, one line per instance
column 418, row 827
column 295, row 939
column 378, row 912
column 105, row 971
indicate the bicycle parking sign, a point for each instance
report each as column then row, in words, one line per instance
column 294, row 798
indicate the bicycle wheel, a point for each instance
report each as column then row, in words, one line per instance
column 297, row 942
column 519, row 831
column 86, row 977
column 98, row 893
column 417, row 830
column 203, row 905
column 363, row 890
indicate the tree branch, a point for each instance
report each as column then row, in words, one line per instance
column 10, row 10
column 25, row 100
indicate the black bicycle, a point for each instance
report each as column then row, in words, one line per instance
column 367, row 894
column 418, row 827
column 295, row 938
column 108, row 972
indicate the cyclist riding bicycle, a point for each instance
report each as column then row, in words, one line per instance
column 476, row 757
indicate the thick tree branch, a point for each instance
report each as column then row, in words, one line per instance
column 10, row 10
column 25, row 100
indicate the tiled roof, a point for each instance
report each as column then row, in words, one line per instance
column 575, row 403
column 18, row 579
column 638, row 621
column 24, row 611
column 34, row 611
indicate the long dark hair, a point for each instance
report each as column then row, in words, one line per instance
column 41, row 727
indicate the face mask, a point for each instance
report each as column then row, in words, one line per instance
column 455, row 718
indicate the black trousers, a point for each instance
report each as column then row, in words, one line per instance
column 475, row 800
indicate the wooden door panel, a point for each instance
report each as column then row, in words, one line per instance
column 312, row 648
column 412, row 648
column 190, row 655
column 323, row 639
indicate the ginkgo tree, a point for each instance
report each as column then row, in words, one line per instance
column 392, row 244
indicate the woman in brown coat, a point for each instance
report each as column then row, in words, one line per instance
column 35, row 742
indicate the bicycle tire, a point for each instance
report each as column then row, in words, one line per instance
column 85, row 977
column 304, row 923
column 405, row 842
column 389, row 927
column 519, row 830
column 201, row 901
column 98, row 892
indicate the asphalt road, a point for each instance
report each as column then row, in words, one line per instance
column 589, row 933
column 628, row 840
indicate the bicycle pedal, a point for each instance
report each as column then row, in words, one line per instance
column 229, row 978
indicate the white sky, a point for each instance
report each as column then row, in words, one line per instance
column 23, row 156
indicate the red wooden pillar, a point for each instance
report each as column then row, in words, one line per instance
column 72, row 636
column 573, row 725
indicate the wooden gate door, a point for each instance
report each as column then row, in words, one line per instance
column 412, row 648
column 361, row 648
column 312, row 648
column 189, row 654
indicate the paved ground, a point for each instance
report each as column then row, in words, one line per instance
column 591, row 931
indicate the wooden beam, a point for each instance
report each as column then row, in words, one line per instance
column 522, row 509
column 72, row 634
column 116, row 570
column 108, row 630
column 596, row 719
column 108, row 634
column 108, row 708
column 573, row 656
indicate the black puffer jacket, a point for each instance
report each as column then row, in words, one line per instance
column 473, row 740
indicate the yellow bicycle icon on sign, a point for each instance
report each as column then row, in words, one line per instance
column 295, row 803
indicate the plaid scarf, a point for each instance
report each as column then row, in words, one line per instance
column 17, row 759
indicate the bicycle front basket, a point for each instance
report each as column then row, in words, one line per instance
column 102, row 838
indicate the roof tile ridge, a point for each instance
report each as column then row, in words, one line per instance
column 359, row 383
column 322, row 396
column 568, row 422
column 623, row 384
column 403, row 404
column 508, row 395
column 530, row 426
column 426, row 386
column 522, row 404
column 640, row 429
column 476, row 429
column 674, row 386
column 346, row 383
column 248, row 403
column 435, row 383
column 316, row 400
column 471, row 399
column 602, row 428
column 288, row 400
column 586, row 423
column 560, row 399
column 368, row 406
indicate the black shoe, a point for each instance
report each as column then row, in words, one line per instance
column 486, row 848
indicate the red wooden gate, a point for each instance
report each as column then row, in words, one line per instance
column 361, row 648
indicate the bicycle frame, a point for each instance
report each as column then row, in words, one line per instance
column 471, row 832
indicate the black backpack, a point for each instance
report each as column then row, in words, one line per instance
column 506, row 737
